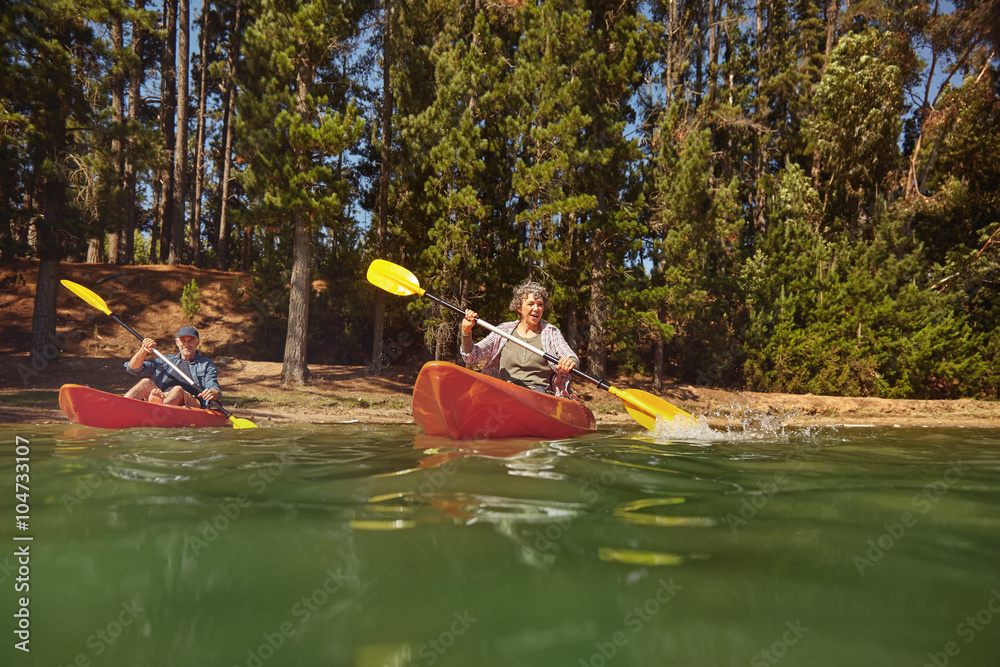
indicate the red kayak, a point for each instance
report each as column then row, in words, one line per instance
column 90, row 407
column 456, row 402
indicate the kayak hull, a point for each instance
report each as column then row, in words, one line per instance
column 92, row 407
column 455, row 402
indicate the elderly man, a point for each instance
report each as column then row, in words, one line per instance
column 160, row 383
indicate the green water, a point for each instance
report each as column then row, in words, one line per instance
column 368, row 546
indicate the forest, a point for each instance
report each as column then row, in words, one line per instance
column 776, row 195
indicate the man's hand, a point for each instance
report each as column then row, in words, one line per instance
column 140, row 355
column 210, row 394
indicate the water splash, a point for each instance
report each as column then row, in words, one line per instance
column 739, row 422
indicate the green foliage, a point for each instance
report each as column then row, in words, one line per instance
column 694, row 227
column 857, row 123
column 290, row 125
column 852, row 316
column 191, row 300
column 142, row 254
column 719, row 199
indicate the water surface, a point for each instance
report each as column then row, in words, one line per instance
column 369, row 546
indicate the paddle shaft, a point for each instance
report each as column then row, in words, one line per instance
column 173, row 366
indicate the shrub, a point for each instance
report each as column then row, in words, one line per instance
column 190, row 303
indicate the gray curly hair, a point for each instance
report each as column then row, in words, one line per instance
column 523, row 289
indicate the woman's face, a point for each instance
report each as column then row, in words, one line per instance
column 531, row 310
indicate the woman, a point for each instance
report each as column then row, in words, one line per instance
column 512, row 362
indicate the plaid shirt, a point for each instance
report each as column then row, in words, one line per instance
column 552, row 342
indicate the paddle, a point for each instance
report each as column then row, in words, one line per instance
column 99, row 303
column 643, row 406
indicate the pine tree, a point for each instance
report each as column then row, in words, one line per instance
column 293, row 124
column 612, row 70
column 46, row 95
column 854, row 130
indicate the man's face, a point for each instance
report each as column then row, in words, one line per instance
column 187, row 345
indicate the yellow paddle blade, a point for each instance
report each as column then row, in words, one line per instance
column 645, row 407
column 242, row 423
column 393, row 278
column 87, row 295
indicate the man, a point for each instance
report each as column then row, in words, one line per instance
column 160, row 383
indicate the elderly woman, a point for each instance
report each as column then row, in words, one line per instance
column 512, row 362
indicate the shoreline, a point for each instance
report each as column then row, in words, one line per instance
column 339, row 394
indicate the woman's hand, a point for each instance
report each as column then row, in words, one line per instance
column 469, row 322
column 566, row 364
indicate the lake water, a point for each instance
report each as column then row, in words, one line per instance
column 367, row 546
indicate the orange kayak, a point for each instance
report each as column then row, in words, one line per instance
column 91, row 407
column 453, row 401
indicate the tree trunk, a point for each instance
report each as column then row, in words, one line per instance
column 116, row 239
column 222, row 248
column 154, row 233
column 134, row 93
column 95, row 250
column 247, row 261
column 673, row 65
column 572, row 325
column 658, row 362
column 597, row 353
column 43, row 345
column 759, row 158
column 293, row 369
column 168, row 111
column 383, row 189
column 180, row 143
column 832, row 16
column 222, row 243
column 199, row 158
column 713, row 50
column 42, row 348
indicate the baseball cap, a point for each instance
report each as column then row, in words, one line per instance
column 188, row 331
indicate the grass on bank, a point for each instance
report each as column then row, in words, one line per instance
column 308, row 400
column 30, row 398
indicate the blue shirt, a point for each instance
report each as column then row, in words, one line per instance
column 203, row 372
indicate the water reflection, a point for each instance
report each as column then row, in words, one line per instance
column 352, row 544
